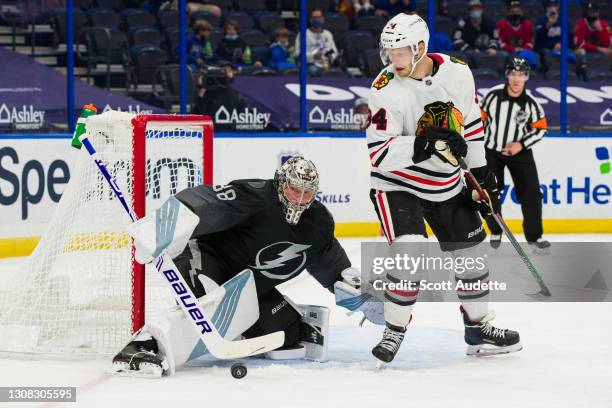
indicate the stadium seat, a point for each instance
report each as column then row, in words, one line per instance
column 336, row 22
column 496, row 63
column 356, row 42
column 59, row 24
column 245, row 21
column 108, row 41
column 168, row 18
column 148, row 36
column 372, row 24
column 224, row 4
column 255, row 38
column 324, row 5
column 445, row 25
column 598, row 62
column 213, row 19
column 291, row 72
column 145, row 61
column 371, row 62
column 138, row 18
column 251, row 6
column 104, row 18
column 289, row 5
column 172, row 37
column 216, row 36
column 259, row 54
column 269, row 22
column 84, row 4
column 116, row 5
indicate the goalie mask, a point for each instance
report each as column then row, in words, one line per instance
column 297, row 183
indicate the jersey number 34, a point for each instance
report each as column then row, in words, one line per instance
column 379, row 119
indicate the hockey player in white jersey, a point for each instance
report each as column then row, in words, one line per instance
column 418, row 100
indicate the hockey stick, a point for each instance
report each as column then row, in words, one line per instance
column 544, row 291
column 217, row 345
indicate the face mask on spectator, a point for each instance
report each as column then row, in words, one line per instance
column 550, row 12
column 592, row 19
column 515, row 19
column 232, row 37
column 475, row 14
column 316, row 23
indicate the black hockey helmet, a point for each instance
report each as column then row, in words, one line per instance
column 517, row 64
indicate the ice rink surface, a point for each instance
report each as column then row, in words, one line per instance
column 566, row 362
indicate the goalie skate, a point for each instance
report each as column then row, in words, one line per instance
column 140, row 359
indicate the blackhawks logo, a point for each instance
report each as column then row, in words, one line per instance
column 442, row 114
column 383, row 80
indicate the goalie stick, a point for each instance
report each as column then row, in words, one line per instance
column 217, row 345
column 444, row 150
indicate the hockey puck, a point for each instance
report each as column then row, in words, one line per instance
column 238, row 371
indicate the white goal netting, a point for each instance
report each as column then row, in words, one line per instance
column 75, row 293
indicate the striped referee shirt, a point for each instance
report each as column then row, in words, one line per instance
column 510, row 119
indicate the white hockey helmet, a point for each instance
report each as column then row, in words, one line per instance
column 404, row 30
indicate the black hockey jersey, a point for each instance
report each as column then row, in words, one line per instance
column 243, row 225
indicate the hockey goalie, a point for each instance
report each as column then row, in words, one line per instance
column 233, row 245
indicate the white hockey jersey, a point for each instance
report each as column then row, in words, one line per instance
column 400, row 108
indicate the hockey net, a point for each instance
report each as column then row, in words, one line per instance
column 81, row 291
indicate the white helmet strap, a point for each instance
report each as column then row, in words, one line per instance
column 415, row 51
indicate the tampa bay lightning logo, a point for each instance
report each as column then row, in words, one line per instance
column 279, row 255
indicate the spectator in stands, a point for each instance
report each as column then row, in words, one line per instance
column 199, row 48
column 476, row 34
column 592, row 33
column 516, row 34
column 390, row 8
column 280, row 53
column 321, row 51
column 232, row 48
column 548, row 35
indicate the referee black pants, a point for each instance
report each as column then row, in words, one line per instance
column 524, row 174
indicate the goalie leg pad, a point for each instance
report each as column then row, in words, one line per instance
column 233, row 307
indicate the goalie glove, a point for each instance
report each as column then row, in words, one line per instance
column 350, row 297
column 167, row 231
column 486, row 179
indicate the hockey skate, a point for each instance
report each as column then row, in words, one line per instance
column 386, row 350
column 140, row 359
column 484, row 339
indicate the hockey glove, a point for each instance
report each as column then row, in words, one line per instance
column 455, row 142
column 486, row 179
column 350, row 297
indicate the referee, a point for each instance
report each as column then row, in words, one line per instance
column 514, row 122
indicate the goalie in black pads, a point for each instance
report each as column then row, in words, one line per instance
column 234, row 244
